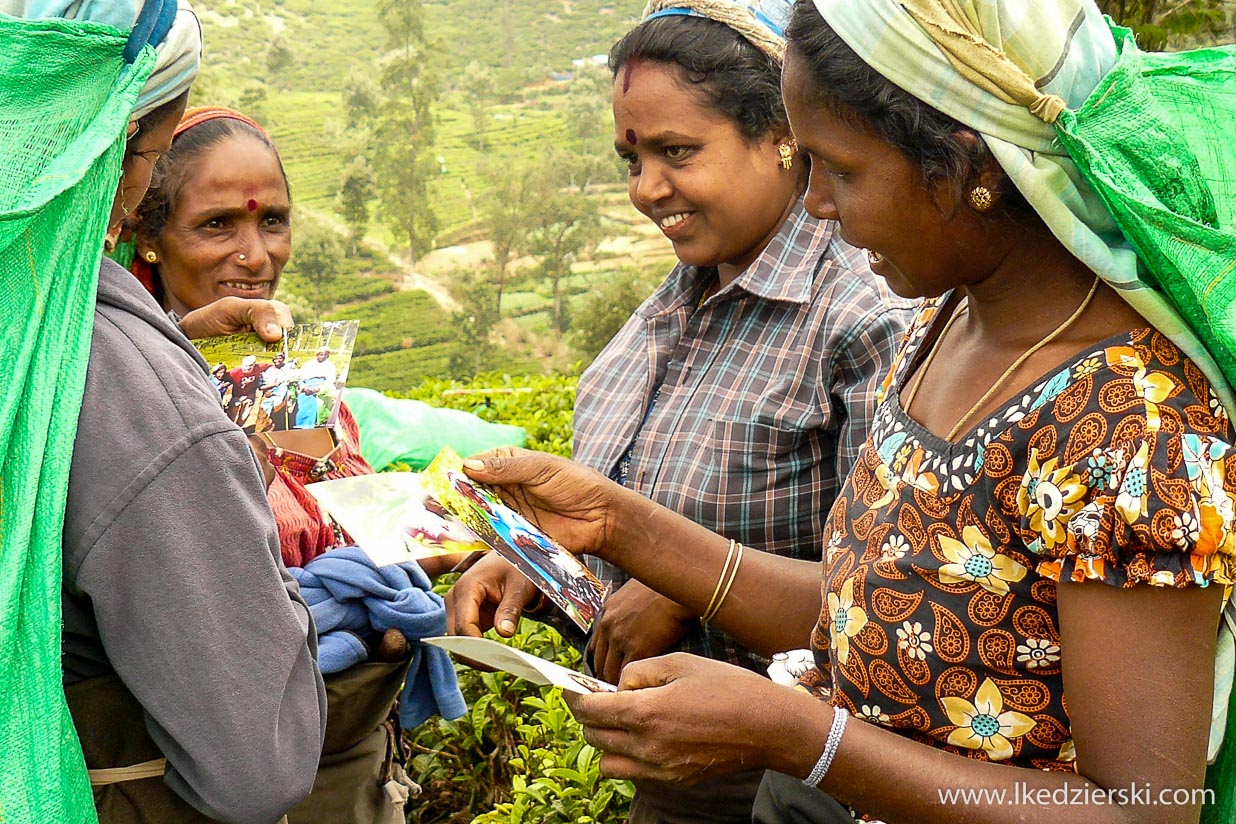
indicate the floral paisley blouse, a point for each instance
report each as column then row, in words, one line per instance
column 939, row 587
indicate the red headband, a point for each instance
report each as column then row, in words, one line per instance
column 200, row 114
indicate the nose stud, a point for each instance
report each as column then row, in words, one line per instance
column 241, row 257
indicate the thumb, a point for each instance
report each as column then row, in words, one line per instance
column 651, row 672
column 515, row 597
column 504, row 465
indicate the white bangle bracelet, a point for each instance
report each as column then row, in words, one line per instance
column 840, row 714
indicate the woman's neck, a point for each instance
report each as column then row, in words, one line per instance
column 727, row 273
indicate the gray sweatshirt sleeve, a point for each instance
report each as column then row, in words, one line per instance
column 206, row 628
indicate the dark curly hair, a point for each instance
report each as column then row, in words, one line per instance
column 733, row 77
column 854, row 92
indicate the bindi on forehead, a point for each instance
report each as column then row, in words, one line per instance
column 632, row 138
column 252, row 204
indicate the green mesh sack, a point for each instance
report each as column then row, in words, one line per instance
column 65, row 98
column 1157, row 141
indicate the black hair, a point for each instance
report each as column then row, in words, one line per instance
column 734, row 77
column 172, row 169
column 857, row 94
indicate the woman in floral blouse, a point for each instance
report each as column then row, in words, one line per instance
column 1024, row 572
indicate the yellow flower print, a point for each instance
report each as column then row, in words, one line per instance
column 915, row 475
column 1153, row 388
column 1131, row 499
column 975, row 560
column 1049, row 496
column 1087, row 367
column 896, row 546
column 873, row 714
column 847, row 620
column 1068, row 752
column 903, row 455
column 984, row 724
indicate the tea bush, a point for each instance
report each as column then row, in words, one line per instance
column 517, row 756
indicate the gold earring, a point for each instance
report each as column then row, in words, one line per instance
column 786, row 151
column 151, row 257
column 981, row 199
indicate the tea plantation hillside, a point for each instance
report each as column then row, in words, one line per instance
column 288, row 64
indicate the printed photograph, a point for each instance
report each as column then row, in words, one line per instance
column 294, row 384
column 392, row 518
column 555, row 571
column 496, row 655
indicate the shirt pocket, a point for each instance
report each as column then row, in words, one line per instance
column 769, row 486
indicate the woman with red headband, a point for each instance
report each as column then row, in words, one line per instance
column 216, row 225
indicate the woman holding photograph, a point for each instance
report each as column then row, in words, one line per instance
column 748, row 377
column 1024, row 572
column 216, row 226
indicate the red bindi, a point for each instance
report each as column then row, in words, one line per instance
column 252, row 204
column 631, row 137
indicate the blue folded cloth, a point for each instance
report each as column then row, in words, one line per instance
column 349, row 597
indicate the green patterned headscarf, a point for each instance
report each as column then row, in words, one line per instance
column 963, row 57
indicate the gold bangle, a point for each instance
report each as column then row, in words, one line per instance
column 725, row 582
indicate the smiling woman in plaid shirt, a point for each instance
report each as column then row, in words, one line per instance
column 740, row 392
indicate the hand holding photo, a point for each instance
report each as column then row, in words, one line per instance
column 519, row 663
column 272, row 387
column 555, row 571
column 392, row 518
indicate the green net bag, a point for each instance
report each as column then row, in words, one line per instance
column 1157, row 141
column 65, row 98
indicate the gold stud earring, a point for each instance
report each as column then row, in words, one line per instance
column 151, row 257
column 981, row 199
column 786, row 152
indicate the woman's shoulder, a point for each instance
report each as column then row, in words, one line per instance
column 1139, row 372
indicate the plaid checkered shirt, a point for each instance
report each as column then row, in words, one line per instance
column 745, row 413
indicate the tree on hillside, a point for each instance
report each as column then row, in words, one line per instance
column 279, row 60
column 1155, row 21
column 607, row 308
column 318, row 259
column 471, row 346
column 404, row 133
column 478, row 89
column 361, row 100
column 590, row 129
column 564, row 223
column 356, row 189
column 509, row 203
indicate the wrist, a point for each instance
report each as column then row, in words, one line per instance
column 631, row 518
column 802, row 731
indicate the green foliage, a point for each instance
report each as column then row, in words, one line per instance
column 356, row 189
column 404, row 133
column 542, row 404
column 478, row 87
column 1156, row 22
column 607, row 307
column 518, row 755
